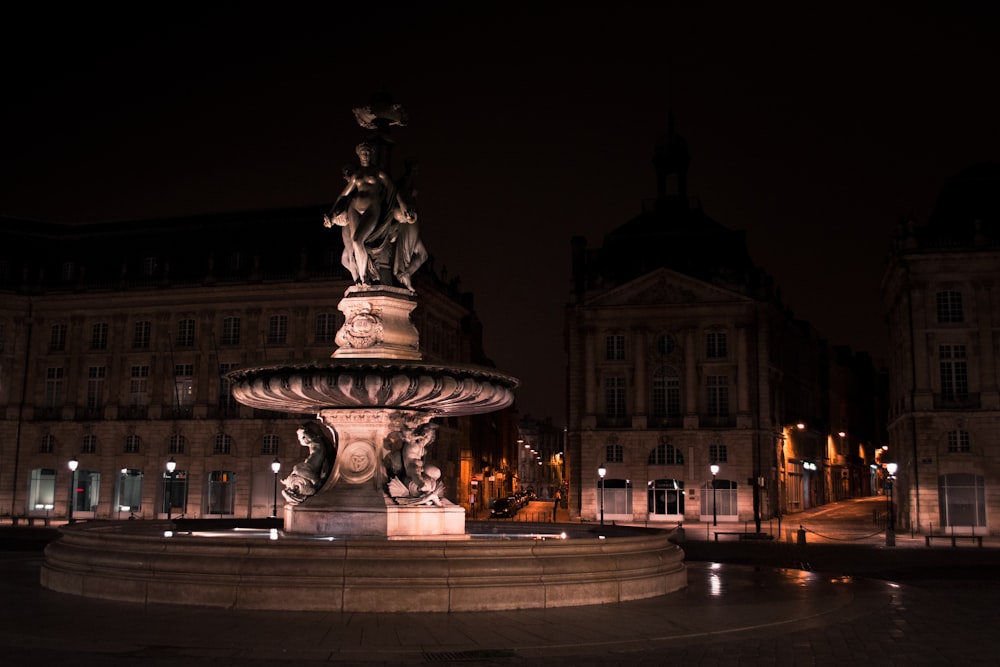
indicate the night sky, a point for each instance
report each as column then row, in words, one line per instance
column 811, row 127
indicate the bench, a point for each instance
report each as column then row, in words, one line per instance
column 977, row 538
column 743, row 535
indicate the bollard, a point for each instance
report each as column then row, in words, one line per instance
column 801, row 537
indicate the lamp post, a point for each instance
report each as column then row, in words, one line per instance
column 890, row 531
column 275, row 467
column 715, row 516
column 171, row 467
column 601, row 472
column 73, row 463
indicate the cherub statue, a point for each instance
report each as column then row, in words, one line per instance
column 309, row 476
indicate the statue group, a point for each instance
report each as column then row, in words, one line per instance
column 378, row 215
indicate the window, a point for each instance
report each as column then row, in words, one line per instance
column 175, row 492
column 99, row 336
column 665, row 455
column 47, row 444
column 138, row 385
column 326, row 327
column 185, row 333
column 226, row 401
column 1, row 336
column 57, row 340
column 666, row 394
column 665, row 497
column 231, row 331
column 176, row 444
column 715, row 345
column 149, row 265
column 69, row 271
column 129, row 490
column 89, row 444
column 617, row 496
column 614, row 454
column 183, row 385
column 53, row 387
column 954, row 373
column 615, row 347
column 95, row 386
column 223, row 444
column 718, row 396
column 221, row 492
column 720, row 501
column 717, row 454
column 140, row 336
column 949, row 307
column 132, row 443
column 962, row 500
column 87, row 490
column 270, row 444
column 958, row 442
column 42, row 489
column 614, row 397
column 665, row 344
column 277, row 329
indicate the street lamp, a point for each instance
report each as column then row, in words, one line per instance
column 890, row 531
column 73, row 463
column 171, row 467
column 275, row 467
column 715, row 516
column 601, row 472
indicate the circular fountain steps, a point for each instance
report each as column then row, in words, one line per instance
column 118, row 561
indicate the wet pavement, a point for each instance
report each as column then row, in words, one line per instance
column 757, row 608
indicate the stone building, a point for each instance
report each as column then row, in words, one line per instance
column 115, row 339
column 940, row 294
column 681, row 356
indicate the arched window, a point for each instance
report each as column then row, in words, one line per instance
column 666, row 455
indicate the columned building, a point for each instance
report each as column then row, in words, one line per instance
column 941, row 294
column 681, row 356
column 114, row 344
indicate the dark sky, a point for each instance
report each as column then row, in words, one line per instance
column 811, row 127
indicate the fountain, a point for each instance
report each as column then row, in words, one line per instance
column 366, row 524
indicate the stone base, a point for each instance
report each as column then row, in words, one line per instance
column 364, row 511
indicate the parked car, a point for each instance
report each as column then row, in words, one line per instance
column 502, row 509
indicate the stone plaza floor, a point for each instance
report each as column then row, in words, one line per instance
column 740, row 612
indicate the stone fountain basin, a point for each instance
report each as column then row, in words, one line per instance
column 247, row 570
column 311, row 386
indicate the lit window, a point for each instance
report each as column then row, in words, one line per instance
column 183, row 385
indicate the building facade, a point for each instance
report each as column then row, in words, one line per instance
column 942, row 302
column 682, row 357
column 114, row 344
